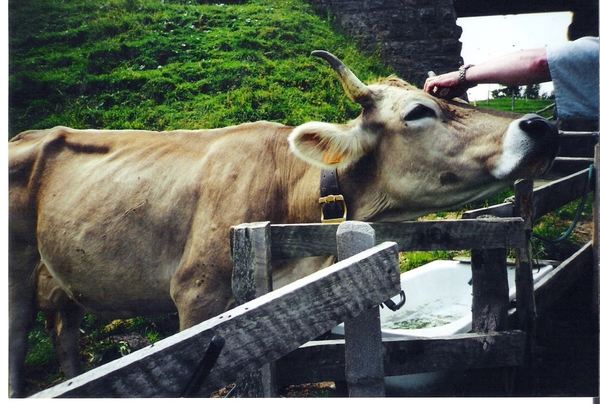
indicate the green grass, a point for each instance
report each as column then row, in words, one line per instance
column 174, row 64
column 521, row 105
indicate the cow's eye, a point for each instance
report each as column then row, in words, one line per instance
column 419, row 111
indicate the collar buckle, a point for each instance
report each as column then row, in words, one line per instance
column 333, row 209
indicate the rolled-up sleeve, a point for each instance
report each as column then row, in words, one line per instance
column 574, row 71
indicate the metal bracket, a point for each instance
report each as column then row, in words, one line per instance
column 395, row 306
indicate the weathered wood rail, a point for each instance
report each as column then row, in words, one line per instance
column 546, row 198
column 313, row 240
column 317, row 361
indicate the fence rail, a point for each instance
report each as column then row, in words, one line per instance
column 313, row 240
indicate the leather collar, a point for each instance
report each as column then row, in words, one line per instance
column 333, row 206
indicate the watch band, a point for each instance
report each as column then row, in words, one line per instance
column 462, row 74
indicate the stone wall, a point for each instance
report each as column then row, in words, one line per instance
column 412, row 36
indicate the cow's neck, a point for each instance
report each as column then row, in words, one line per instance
column 363, row 198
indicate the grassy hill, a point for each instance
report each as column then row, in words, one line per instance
column 165, row 64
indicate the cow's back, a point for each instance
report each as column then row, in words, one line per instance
column 106, row 205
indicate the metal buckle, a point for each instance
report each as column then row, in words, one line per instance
column 332, row 199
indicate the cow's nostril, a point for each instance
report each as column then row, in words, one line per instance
column 538, row 127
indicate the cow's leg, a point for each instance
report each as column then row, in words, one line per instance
column 63, row 317
column 62, row 325
column 21, row 295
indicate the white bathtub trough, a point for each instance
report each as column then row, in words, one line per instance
column 438, row 300
column 438, row 303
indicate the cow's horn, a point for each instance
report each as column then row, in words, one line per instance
column 355, row 89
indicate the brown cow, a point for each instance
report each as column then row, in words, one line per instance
column 136, row 222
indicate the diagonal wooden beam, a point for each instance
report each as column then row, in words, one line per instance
column 258, row 332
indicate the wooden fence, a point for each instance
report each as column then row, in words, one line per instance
column 328, row 360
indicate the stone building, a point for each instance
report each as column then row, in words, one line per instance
column 416, row 36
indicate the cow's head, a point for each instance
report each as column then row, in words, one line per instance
column 410, row 153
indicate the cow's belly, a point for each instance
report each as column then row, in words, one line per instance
column 113, row 288
column 115, row 260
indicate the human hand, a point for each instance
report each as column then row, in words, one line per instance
column 446, row 86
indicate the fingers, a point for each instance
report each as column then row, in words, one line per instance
column 430, row 85
column 445, row 86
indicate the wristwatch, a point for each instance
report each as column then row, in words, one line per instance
column 462, row 72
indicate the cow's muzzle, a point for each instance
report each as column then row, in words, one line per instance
column 528, row 150
column 544, row 134
column 539, row 127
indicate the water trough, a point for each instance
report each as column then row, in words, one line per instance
column 438, row 303
column 438, row 300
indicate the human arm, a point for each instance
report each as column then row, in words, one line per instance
column 515, row 69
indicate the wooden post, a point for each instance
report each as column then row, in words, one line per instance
column 364, row 351
column 526, row 311
column 523, row 274
column 490, row 314
column 251, row 254
column 490, row 290
column 252, row 277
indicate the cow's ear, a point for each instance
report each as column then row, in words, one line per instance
column 327, row 145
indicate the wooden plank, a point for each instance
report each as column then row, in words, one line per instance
column 570, row 164
column 258, row 332
column 490, row 290
column 505, row 209
column 301, row 241
column 364, row 360
column 577, row 144
column 319, row 361
column 434, row 235
column 546, row 198
column 556, row 194
column 553, row 286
